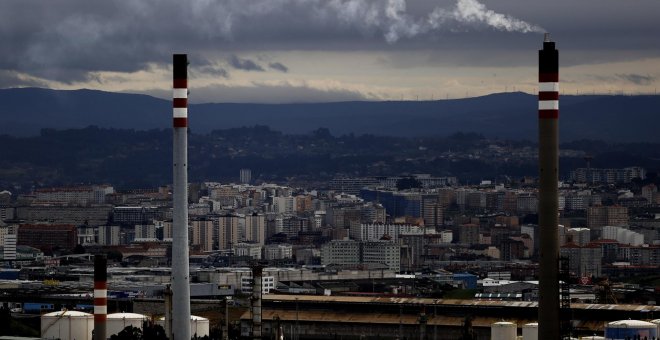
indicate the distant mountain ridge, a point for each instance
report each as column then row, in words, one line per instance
column 26, row 111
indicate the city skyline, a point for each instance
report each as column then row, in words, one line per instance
column 316, row 51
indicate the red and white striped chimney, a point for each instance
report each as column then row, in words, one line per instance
column 180, row 267
column 180, row 91
column 548, row 80
column 100, row 296
column 548, row 311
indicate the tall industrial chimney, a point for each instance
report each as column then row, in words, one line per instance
column 100, row 296
column 548, row 191
column 180, row 267
column 257, row 278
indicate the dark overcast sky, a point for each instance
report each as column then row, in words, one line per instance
column 308, row 50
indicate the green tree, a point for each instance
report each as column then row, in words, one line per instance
column 79, row 249
column 128, row 333
column 115, row 255
column 153, row 331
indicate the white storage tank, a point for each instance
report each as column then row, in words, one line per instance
column 198, row 325
column 116, row 322
column 657, row 323
column 625, row 329
column 503, row 331
column 530, row 331
column 67, row 325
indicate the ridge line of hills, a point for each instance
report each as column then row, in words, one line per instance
column 512, row 115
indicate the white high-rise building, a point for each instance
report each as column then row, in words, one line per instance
column 228, row 231
column 7, row 213
column 9, row 241
column 579, row 236
column 622, row 235
column 246, row 176
column 446, row 236
column 145, row 232
column 167, row 229
column 108, row 235
column 318, row 220
column 284, row 205
column 255, row 228
column 87, row 235
column 202, row 234
column 4, row 231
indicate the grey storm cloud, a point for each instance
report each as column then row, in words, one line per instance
column 637, row 79
column 632, row 78
column 212, row 70
column 12, row 79
column 268, row 93
column 244, row 64
column 279, row 67
column 69, row 40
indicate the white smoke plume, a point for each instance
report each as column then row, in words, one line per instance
column 387, row 17
column 467, row 13
column 473, row 12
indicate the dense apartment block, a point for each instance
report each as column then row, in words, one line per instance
column 109, row 235
column 388, row 228
column 622, row 235
column 376, row 231
column 255, row 228
column 600, row 216
column 248, row 249
column 90, row 215
column 607, row 176
column 340, row 253
column 641, row 256
column 468, row 233
column 352, row 185
column 228, row 230
column 8, row 240
column 201, row 234
column 396, row 203
column 277, row 251
column 583, row 260
column 47, row 236
column 373, row 254
column 126, row 215
column 74, row 195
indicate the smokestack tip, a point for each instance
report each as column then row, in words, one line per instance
column 546, row 37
